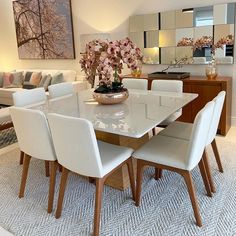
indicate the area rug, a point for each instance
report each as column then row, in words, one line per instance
column 7, row 137
column 165, row 209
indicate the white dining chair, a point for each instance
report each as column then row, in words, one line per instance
column 178, row 155
column 79, row 151
column 183, row 130
column 61, row 89
column 141, row 84
column 168, row 86
column 35, row 141
column 29, row 98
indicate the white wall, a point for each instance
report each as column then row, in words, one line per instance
column 94, row 16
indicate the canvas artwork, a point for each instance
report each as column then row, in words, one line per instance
column 44, row 29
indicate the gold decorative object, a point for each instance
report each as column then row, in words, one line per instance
column 111, row 98
column 211, row 70
column 138, row 71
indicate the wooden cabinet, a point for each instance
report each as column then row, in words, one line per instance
column 206, row 90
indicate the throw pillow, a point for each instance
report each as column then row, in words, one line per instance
column 13, row 80
column 28, row 85
column 45, row 82
column 1, row 79
column 57, row 78
column 35, row 78
column 28, row 75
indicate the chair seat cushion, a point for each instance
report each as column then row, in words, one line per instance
column 112, row 155
column 165, row 150
column 178, row 130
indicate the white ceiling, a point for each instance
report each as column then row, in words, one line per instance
column 149, row 6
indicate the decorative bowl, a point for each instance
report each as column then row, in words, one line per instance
column 111, row 98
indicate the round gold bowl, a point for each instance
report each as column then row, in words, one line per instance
column 111, row 98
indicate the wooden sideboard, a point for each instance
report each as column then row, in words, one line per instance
column 206, row 90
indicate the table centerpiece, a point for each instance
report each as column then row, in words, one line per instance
column 105, row 59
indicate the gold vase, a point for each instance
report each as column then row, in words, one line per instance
column 211, row 70
column 110, row 98
column 138, row 71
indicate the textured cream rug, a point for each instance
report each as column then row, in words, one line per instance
column 7, row 137
column 165, row 209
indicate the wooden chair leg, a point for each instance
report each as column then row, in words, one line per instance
column 21, row 157
column 64, row 176
column 91, row 180
column 131, row 177
column 188, row 180
column 47, row 169
column 217, row 155
column 158, row 173
column 140, row 168
column 98, row 203
column 52, row 185
column 204, row 178
column 153, row 132
column 24, row 175
column 60, row 168
column 208, row 171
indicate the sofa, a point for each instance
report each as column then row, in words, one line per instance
column 64, row 76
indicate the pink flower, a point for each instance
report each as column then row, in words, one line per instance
column 102, row 58
column 207, row 41
column 185, row 42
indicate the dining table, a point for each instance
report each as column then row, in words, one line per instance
column 125, row 124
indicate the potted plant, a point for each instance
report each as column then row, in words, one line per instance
column 105, row 59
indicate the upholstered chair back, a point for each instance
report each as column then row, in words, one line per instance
column 199, row 135
column 27, row 98
column 167, row 85
column 141, row 84
column 76, row 144
column 219, row 102
column 61, row 89
column 33, row 133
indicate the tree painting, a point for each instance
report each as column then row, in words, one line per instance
column 44, row 29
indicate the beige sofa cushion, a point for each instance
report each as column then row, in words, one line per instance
column 6, row 95
column 69, row 75
column 35, row 78
column 1, row 78
column 4, row 115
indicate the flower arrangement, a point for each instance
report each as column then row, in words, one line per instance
column 207, row 41
column 204, row 41
column 228, row 40
column 185, row 42
column 105, row 59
